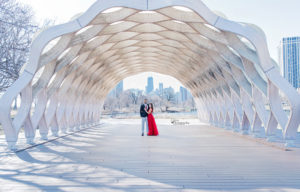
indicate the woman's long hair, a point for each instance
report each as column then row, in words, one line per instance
column 151, row 105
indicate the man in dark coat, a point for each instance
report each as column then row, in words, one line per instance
column 144, row 115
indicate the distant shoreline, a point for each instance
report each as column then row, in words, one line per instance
column 158, row 115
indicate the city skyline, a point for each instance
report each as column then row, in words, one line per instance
column 139, row 81
column 158, row 87
column 164, row 93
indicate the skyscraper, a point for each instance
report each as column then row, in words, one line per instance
column 119, row 88
column 183, row 94
column 289, row 59
column 161, row 89
column 115, row 92
column 149, row 87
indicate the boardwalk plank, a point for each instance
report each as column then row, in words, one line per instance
column 114, row 157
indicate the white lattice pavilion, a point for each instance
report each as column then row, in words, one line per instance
column 226, row 65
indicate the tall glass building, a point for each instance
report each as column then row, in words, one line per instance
column 116, row 92
column 289, row 59
column 119, row 88
column 161, row 89
column 183, row 94
column 149, row 87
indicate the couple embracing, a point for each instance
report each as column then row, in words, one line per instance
column 146, row 111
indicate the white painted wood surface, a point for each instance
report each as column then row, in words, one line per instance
column 114, row 157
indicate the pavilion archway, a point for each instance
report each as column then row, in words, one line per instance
column 226, row 66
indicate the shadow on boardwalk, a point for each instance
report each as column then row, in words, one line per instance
column 183, row 158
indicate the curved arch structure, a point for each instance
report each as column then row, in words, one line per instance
column 226, row 66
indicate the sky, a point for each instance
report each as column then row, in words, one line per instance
column 277, row 18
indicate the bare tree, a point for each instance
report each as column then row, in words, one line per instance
column 169, row 94
column 109, row 104
column 135, row 94
column 16, row 32
column 130, row 100
column 156, row 100
column 125, row 99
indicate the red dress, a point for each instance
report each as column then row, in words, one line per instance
column 152, row 125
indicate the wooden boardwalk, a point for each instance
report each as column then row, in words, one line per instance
column 114, row 157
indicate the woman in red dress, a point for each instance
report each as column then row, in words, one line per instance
column 151, row 122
